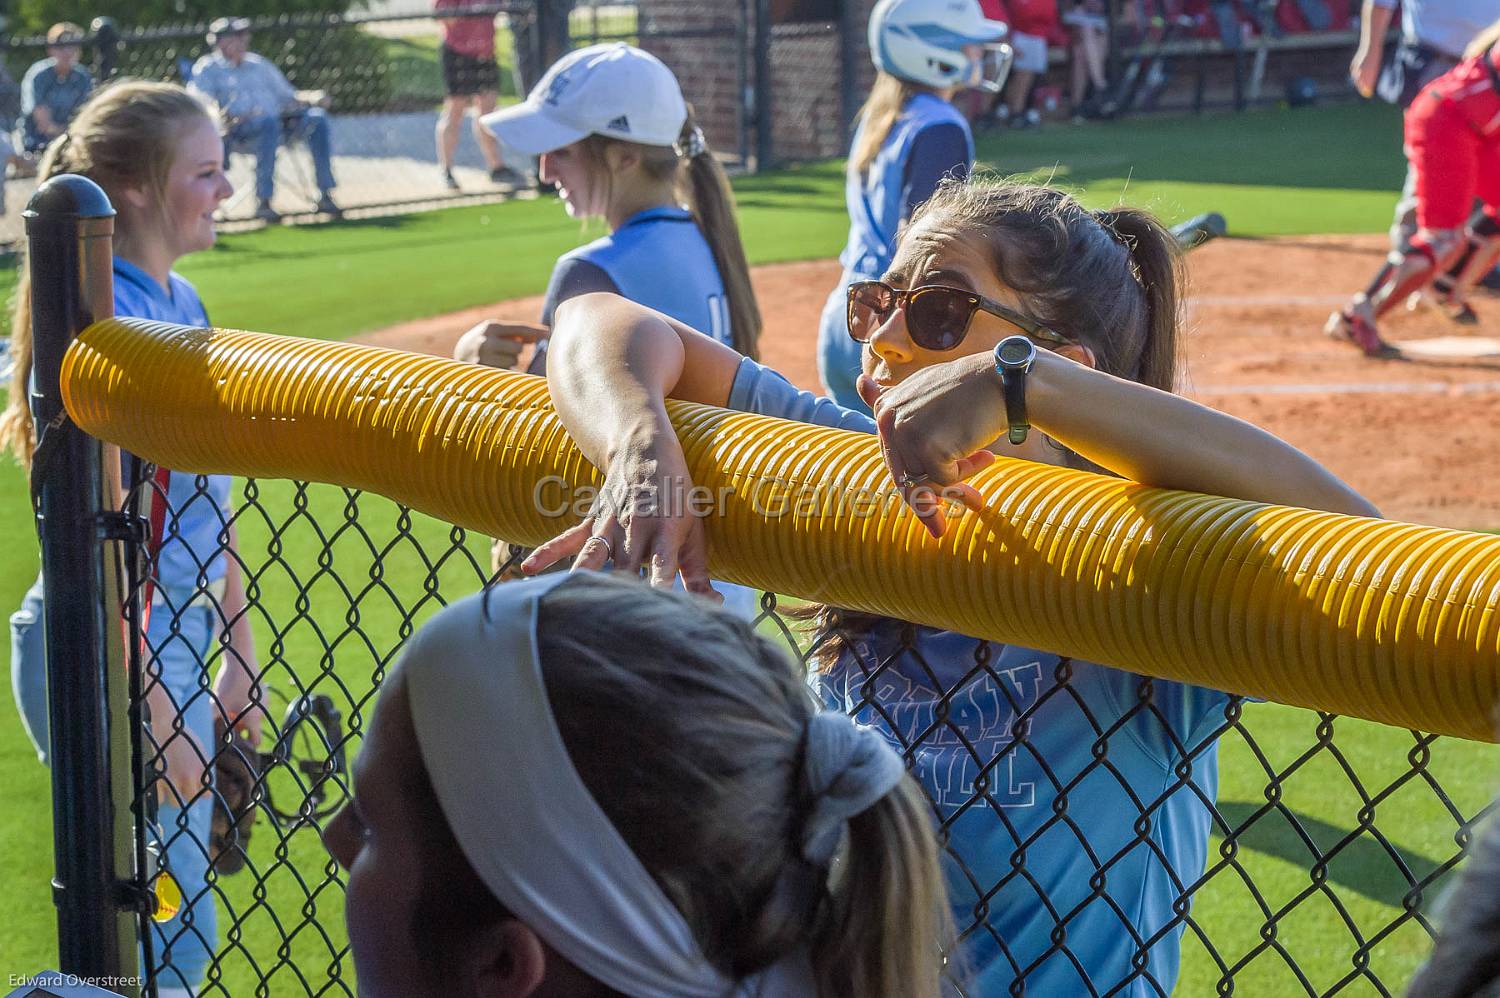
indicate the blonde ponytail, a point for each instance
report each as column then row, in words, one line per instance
column 711, row 200
column 699, row 182
column 890, row 924
column 887, row 100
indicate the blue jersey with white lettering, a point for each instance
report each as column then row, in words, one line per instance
column 999, row 736
column 657, row 257
column 194, row 534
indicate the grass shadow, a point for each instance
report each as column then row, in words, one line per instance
column 1363, row 865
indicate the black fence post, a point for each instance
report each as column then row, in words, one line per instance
column 850, row 30
column 106, row 47
column 75, row 485
column 764, row 153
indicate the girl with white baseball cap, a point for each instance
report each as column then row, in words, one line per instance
column 577, row 785
column 909, row 138
column 617, row 138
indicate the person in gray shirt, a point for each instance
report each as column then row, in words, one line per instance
column 261, row 111
column 54, row 87
column 1434, row 34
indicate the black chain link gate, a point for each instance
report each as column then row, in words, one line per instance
column 336, row 580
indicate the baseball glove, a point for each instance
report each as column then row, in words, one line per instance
column 237, row 786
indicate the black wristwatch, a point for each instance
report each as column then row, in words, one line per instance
column 1014, row 356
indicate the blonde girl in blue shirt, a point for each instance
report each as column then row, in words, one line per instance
column 1066, row 873
column 155, row 150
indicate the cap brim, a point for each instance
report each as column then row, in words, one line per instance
column 529, row 129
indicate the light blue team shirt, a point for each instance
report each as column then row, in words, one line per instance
column 930, row 140
column 194, row 534
column 656, row 257
column 252, row 89
column 1021, row 730
column 877, row 200
column 61, row 96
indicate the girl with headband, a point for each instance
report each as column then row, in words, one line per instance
column 156, row 151
column 1075, row 799
column 575, row 785
column 910, row 136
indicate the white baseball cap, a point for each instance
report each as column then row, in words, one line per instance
column 615, row 90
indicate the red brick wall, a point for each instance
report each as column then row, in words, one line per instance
column 707, row 67
column 807, row 116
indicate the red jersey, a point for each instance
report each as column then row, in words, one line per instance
column 471, row 36
column 994, row 10
column 1033, row 17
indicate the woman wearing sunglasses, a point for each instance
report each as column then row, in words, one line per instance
column 910, row 137
column 1074, row 798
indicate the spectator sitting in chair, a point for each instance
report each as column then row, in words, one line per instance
column 54, row 88
column 261, row 111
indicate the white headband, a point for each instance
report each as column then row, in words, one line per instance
column 527, row 823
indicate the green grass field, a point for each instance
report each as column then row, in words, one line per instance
column 1275, row 172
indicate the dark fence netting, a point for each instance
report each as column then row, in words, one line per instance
column 1328, row 838
column 771, row 82
column 378, row 77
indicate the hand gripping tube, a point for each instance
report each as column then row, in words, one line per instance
column 1388, row 621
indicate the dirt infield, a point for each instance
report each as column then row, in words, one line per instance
column 1418, row 438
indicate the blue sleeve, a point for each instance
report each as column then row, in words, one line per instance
column 280, row 84
column 759, row 389
column 574, row 276
column 939, row 151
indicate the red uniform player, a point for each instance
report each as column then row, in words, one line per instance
column 1453, row 144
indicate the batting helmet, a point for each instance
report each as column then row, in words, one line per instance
column 922, row 40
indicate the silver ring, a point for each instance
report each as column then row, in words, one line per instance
column 608, row 547
column 908, row 480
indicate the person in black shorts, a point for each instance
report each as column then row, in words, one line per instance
column 471, row 77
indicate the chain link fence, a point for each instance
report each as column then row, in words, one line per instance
column 378, row 74
column 1300, row 853
column 772, row 81
column 1329, row 835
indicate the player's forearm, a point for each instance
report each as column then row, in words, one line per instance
column 1160, row 439
column 611, row 365
column 1374, row 22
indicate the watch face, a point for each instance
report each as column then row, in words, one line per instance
column 1016, row 350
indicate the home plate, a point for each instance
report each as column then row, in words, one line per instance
column 1454, row 348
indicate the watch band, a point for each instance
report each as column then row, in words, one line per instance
column 1014, row 356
